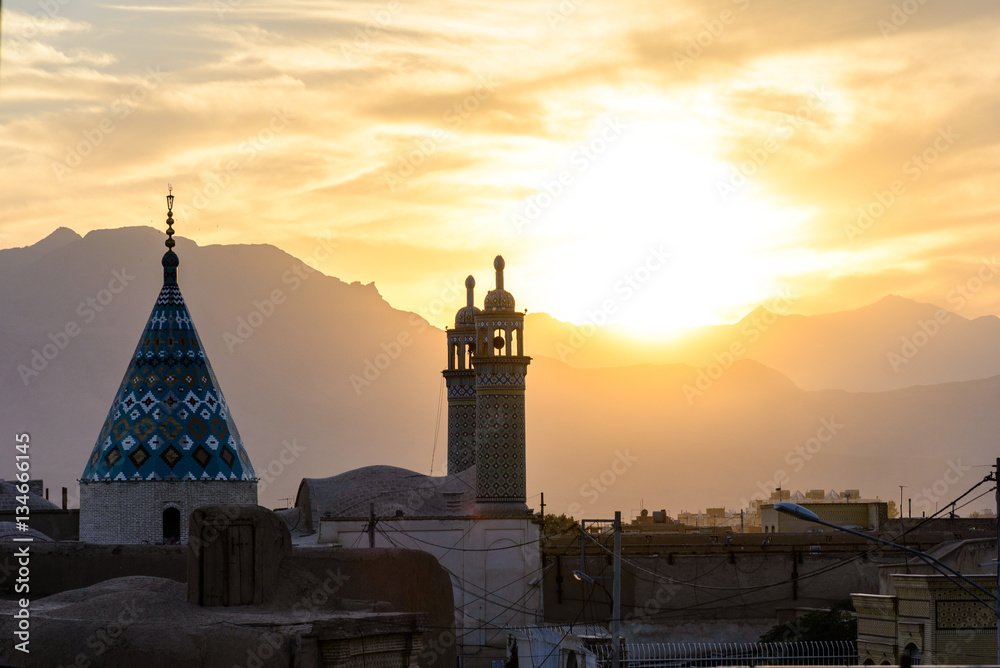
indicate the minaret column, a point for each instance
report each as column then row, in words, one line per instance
column 500, row 415
column 460, row 381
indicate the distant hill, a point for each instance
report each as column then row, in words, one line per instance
column 324, row 376
column 891, row 344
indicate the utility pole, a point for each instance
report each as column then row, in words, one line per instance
column 371, row 526
column 901, row 501
column 542, row 504
column 996, row 602
column 617, row 592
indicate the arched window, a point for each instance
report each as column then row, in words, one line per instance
column 914, row 654
column 171, row 526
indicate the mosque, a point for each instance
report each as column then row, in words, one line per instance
column 169, row 445
column 474, row 520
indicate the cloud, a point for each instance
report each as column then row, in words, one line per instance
column 420, row 125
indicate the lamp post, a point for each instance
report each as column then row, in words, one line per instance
column 616, row 596
column 806, row 515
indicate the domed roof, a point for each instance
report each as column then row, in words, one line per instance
column 466, row 316
column 498, row 299
column 394, row 491
column 169, row 418
column 10, row 499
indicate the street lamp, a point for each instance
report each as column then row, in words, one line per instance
column 616, row 590
column 806, row 515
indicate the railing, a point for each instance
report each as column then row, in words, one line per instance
column 677, row 655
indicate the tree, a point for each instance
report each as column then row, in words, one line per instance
column 837, row 623
column 893, row 511
column 553, row 524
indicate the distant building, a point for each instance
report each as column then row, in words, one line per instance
column 862, row 515
column 169, row 443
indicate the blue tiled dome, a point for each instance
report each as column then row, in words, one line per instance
column 169, row 419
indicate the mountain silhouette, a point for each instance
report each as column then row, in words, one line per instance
column 323, row 376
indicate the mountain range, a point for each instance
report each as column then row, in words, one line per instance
column 323, row 376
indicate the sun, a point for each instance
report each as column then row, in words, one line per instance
column 645, row 238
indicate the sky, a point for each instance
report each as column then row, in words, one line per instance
column 683, row 161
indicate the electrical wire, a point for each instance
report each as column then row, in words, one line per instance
column 742, row 591
column 477, row 596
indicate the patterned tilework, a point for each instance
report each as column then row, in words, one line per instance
column 461, row 435
column 953, row 615
column 169, row 417
column 461, row 384
column 461, row 419
column 500, row 435
column 466, row 316
column 499, row 301
column 500, row 464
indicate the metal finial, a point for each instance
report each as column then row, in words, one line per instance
column 169, row 243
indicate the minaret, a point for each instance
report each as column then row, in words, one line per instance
column 461, row 382
column 500, row 366
column 169, row 443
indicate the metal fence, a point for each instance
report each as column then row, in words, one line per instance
column 677, row 655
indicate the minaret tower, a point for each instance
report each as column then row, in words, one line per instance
column 500, row 366
column 461, row 382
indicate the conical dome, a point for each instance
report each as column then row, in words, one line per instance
column 169, row 419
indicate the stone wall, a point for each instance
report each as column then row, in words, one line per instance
column 58, row 567
column 56, row 524
column 407, row 580
column 732, row 586
column 131, row 512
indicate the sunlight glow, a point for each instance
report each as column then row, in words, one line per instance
column 642, row 234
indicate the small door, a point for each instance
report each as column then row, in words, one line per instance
column 241, row 566
column 227, row 565
column 171, row 526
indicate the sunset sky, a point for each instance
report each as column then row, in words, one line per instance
column 685, row 159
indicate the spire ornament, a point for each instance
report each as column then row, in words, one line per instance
column 169, row 243
column 170, row 260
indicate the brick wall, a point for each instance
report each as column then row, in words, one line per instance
column 132, row 511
